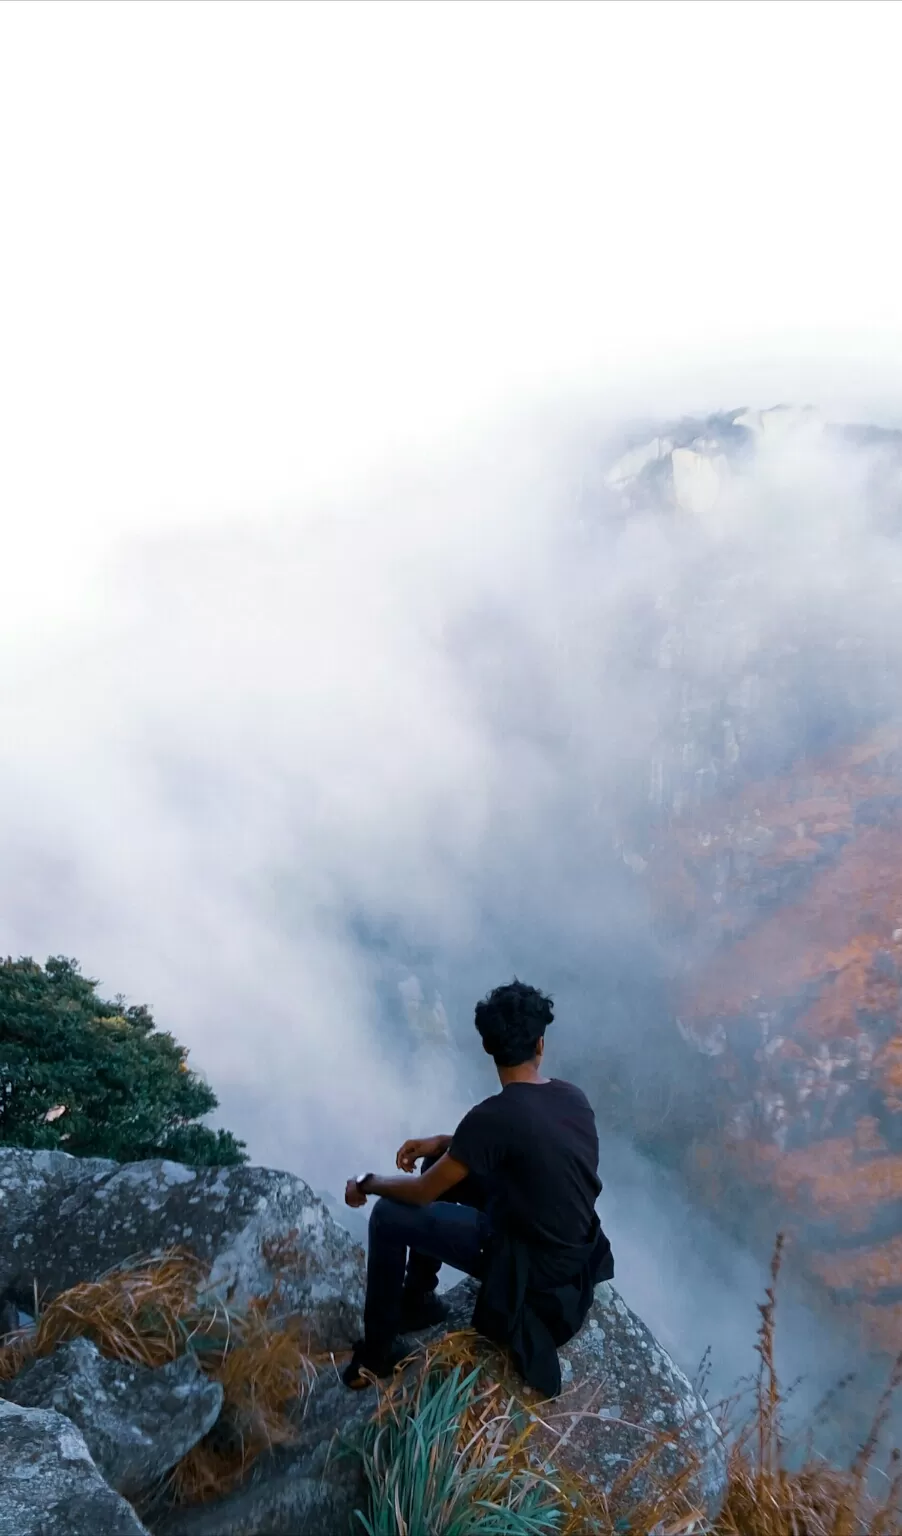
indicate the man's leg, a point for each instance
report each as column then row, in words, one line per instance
column 421, row 1280
column 446, row 1233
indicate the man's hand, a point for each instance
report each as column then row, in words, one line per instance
column 426, row 1146
column 354, row 1194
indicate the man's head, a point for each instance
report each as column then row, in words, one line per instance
column 512, row 1021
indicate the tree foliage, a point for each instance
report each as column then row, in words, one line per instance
column 96, row 1078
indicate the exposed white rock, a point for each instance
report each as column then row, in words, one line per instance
column 779, row 420
column 699, row 480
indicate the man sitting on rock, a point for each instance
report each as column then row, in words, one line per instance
column 509, row 1199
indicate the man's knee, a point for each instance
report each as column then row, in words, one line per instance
column 391, row 1219
column 380, row 1214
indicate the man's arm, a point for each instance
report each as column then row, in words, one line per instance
column 422, row 1189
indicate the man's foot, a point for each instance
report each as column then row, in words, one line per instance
column 365, row 1364
column 423, row 1310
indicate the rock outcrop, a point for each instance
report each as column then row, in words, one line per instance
column 49, row 1486
column 72, row 1415
column 136, row 1423
column 66, row 1221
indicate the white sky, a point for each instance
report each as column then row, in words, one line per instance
column 253, row 249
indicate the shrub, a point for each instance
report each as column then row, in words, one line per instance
column 96, row 1078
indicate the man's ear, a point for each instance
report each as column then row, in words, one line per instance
column 540, row 1048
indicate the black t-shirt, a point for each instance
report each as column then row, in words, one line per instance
column 536, row 1145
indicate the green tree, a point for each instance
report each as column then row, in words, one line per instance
column 96, row 1078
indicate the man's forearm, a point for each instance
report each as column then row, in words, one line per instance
column 408, row 1188
column 417, row 1188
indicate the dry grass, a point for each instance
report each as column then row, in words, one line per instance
column 146, row 1316
column 158, row 1309
column 765, row 1497
column 265, row 1374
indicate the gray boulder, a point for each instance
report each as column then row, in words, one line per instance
column 137, row 1423
column 49, row 1486
column 252, row 1225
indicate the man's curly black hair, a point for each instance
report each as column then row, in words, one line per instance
column 512, row 1021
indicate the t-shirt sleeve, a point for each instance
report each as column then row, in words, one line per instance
column 475, row 1143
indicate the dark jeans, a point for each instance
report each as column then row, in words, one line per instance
column 452, row 1230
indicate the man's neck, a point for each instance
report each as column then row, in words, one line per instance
column 527, row 1073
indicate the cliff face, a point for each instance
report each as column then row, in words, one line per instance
column 796, row 884
column 773, row 860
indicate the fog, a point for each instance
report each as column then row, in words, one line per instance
column 310, row 788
